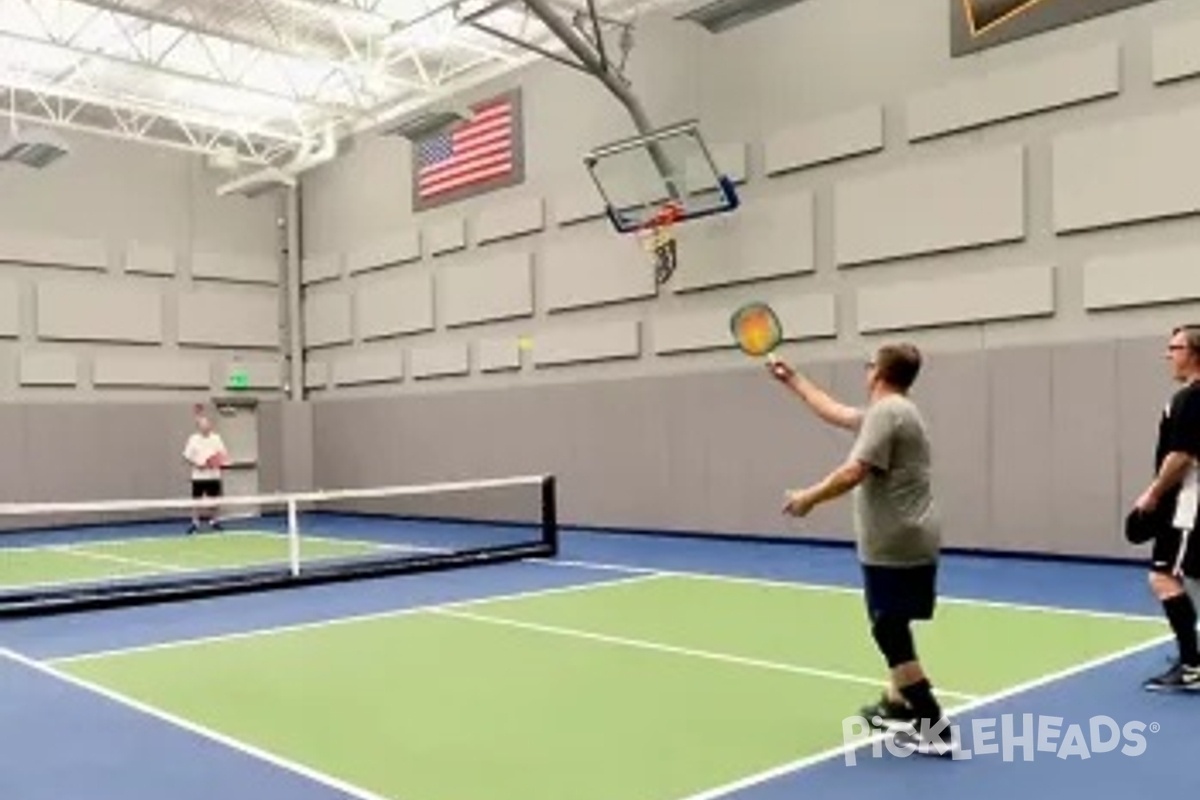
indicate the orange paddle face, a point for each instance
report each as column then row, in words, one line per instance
column 756, row 329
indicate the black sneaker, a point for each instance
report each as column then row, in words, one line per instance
column 887, row 714
column 1179, row 678
column 933, row 741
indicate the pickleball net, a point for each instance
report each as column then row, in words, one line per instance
column 61, row 556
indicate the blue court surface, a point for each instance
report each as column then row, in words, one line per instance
column 630, row 667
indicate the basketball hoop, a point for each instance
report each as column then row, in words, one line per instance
column 658, row 237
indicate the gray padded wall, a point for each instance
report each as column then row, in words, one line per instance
column 1036, row 448
column 123, row 276
column 1027, row 216
column 91, row 451
column 128, row 290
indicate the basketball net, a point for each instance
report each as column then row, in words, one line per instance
column 658, row 237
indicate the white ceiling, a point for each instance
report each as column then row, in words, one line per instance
column 264, row 79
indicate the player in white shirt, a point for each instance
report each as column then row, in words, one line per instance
column 206, row 454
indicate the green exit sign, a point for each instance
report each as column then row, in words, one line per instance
column 238, row 379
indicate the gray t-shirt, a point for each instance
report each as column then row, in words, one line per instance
column 894, row 512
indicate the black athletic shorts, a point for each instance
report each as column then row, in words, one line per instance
column 1165, row 552
column 905, row 592
column 206, row 488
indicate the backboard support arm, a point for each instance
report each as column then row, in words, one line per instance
column 593, row 60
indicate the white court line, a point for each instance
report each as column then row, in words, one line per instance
column 642, row 644
column 823, row 587
column 828, row 755
column 135, row 562
column 191, row 727
column 34, row 548
column 345, row 620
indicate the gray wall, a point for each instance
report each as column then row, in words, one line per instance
column 124, row 277
column 996, row 200
column 1037, row 448
column 1025, row 215
column 128, row 290
column 77, row 451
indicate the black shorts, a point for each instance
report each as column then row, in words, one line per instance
column 1165, row 553
column 900, row 592
column 206, row 488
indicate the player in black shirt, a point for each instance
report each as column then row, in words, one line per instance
column 1171, row 497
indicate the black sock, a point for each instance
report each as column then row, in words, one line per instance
column 920, row 697
column 1181, row 613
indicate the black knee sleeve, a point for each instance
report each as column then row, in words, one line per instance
column 895, row 640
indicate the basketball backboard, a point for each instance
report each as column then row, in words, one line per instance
column 639, row 176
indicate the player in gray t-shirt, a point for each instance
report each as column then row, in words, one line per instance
column 897, row 528
column 894, row 512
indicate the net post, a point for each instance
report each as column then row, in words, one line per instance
column 293, row 537
column 549, row 515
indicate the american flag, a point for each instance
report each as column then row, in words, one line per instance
column 475, row 152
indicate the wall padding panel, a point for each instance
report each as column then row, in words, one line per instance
column 90, row 310
column 159, row 371
column 150, row 259
column 1009, row 293
column 229, row 318
column 327, row 318
column 324, row 267
column 941, row 204
column 855, row 132
column 398, row 248
column 584, row 343
column 235, row 268
column 594, row 267
column 498, row 355
column 446, row 236
column 316, row 374
column 48, row 369
column 435, row 361
column 1021, row 456
column 1176, row 51
column 777, row 239
column 488, row 289
column 10, row 308
column 1003, row 94
column 40, row 250
column 393, row 305
column 805, row 317
column 515, row 217
column 1144, row 278
column 371, row 367
column 1129, row 171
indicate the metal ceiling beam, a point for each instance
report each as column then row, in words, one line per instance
column 355, row 69
column 186, row 117
column 139, row 127
column 192, row 77
column 195, row 25
column 332, row 8
column 369, row 73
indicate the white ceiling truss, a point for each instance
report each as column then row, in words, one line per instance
column 264, row 82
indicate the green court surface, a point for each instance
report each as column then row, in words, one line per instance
column 654, row 688
column 106, row 559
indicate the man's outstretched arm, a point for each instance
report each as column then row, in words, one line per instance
column 822, row 404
